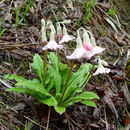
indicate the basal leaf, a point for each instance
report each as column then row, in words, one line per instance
column 54, row 61
column 57, row 81
column 18, row 89
column 83, row 96
column 50, row 85
column 50, row 101
column 14, row 77
column 88, row 95
column 33, row 85
column 28, row 91
column 60, row 109
column 89, row 103
column 78, row 79
column 38, row 66
column 64, row 71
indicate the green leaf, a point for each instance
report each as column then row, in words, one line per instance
column 18, row 89
column 88, row 95
column 64, row 70
column 38, row 66
column 30, row 92
column 33, row 85
column 55, row 70
column 78, row 80
column 50, row 101
column 54, row 61
column 50, row 85
column 57, row 82
column 89, row 103
column 80, row 97
column 60, row 109
column 36, row 90
column 14, row 77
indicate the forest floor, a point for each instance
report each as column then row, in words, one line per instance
column 20, row 39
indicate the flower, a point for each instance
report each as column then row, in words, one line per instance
column 90, row 45
column 66, row 38
column 101, row 70
column 77, row 54
column 52, row 45
column 92, row 50
column 86, row 48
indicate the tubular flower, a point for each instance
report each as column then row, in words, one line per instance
column 52, row 45
column 87, row 48
column 66, row 37
column 59, row 30
column 101, row 69
column 43, row 30
column 79, row 52
column 90, row 45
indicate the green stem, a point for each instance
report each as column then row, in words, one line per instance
column 88, row 77
column 45, row 68
column 57, row 52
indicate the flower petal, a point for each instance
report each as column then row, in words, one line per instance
column 52, row 45
column 77, row 54
column 66, row 38
column 101, row 70
column 93, row 51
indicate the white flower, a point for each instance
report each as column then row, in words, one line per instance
column 101, row 70
column 77, row 54
column 66, row 38
column 52, row 45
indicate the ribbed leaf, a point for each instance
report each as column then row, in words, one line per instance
column 78, row 79
column 89, row 103
column 54, row 61
column 33, row 85
column 87, row 95
column 60, row 109
column 18, row 89
column 50, row 101
column 37, row 65
column 15, row 77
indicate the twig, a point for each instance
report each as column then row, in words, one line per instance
column 48, row 118
column 73, row 121
column 24, row 116
column 4, row 83
column 105, row 119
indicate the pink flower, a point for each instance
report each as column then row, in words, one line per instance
column 92, row 50
column 52, row 45
column 86, row 48
column 86, row 51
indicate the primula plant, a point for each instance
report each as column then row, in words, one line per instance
column 57, row 85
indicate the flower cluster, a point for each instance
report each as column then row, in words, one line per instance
column 60, row 33
column 85, row 42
